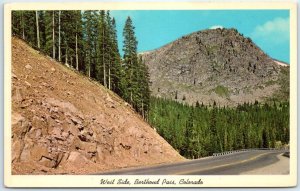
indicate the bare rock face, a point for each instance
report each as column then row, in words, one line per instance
column 214, row 65
column 64, row 123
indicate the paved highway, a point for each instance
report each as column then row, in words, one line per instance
column 231, row 164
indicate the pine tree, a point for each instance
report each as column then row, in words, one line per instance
column 130, row 60
column 265, row 139
column 109, row 48
column 78, row 36
column 50, row 33
column 16, row 21
column 191, row 140
column 28, row 30
column 90, row 44
column 144, row 88
column 213, row 130
column 42, row 30
column 115, row 62
column 136, row 79
column 88, row 32
column 103, row 49
column 69, row 33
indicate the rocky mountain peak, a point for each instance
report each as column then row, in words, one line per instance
column 213, row 65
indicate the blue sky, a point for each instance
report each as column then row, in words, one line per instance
column 269, row 29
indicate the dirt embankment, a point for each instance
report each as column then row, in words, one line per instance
column 64, row 123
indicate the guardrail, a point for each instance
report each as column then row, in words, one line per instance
column 287, row 154
column 244, row 150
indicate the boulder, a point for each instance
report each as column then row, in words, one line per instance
column 77, row 158
column 16, row 118
column 27, row 84
column 89, row 147
column 48, row 162
column 37, row 151
column 17, row 146
column 28, row 67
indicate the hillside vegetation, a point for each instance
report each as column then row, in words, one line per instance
column 198, row 131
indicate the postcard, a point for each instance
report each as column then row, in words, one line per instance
column 150, row 94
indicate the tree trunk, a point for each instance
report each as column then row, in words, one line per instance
column 77, row 68
column 89, row 71
column 66, row 59
column 143, row 114
column 104, row 70
column 53, row 35
column 130, row 81
column 37, row 29
column 59, row 39
column 109, row 81
column 23, row 30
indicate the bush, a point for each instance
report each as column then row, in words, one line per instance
column 222, row 91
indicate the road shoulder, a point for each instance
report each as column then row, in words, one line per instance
column 281, row 167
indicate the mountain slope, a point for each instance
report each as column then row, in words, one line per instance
column 214, row 65
column 64, row 123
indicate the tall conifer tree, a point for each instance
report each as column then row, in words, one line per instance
column 130, row 59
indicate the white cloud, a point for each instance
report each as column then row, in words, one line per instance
column 276, row 30
column 216, row 27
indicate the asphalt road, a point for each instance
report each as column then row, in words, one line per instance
column 231, row 164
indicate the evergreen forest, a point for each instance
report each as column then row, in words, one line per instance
column 87, row 42
column 200, row 130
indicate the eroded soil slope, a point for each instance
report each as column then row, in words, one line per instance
column 64, row 123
